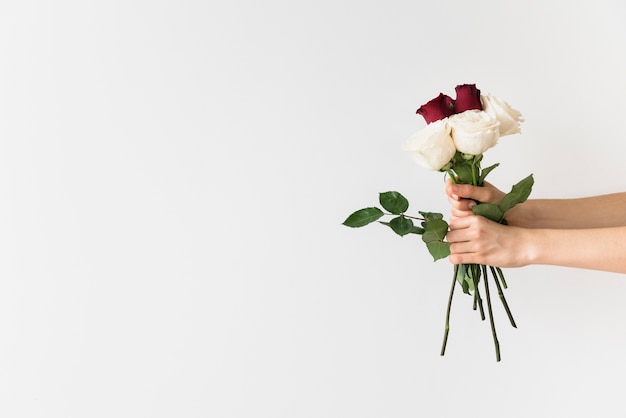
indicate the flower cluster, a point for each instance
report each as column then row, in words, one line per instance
column 470, row 124
column 457, row 134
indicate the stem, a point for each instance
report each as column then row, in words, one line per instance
column 493, row 326
column 477, row 297
column 405, row 215
column 501, row 294
column 445, row 335
column 412, row 217
column 499, row 270
column 474, row 178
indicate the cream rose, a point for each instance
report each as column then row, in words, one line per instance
column 509, row 118
column 474, row 131
column 432, row 147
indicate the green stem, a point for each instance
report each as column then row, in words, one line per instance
column 413, row 217
column 499, row 270
column 493, row 326
column 501, row 294
column 445, row 335
column 405, row 215
column 477, row 299
column 474, row 178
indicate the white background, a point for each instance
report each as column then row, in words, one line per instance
column 173, row 178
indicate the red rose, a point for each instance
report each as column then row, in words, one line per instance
column 467, row 98
column 438, row 108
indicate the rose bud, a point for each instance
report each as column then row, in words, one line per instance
column 509, row 118
column 467, row 98
column 432, row 147
column 474, row 131
column 438, row 108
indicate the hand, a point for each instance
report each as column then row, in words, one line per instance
column 463, row 197
column 477, row 240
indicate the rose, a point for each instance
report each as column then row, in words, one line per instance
column 432, row 147
column 438, row 108
column 509, row 118
column 474, row 131
column 467, row 98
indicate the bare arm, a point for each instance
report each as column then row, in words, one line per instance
column 475, row 239
column 589, row 212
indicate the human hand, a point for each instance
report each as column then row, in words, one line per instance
column 477, row 240
column 463, row 197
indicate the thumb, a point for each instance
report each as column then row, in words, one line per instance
column 467, row 191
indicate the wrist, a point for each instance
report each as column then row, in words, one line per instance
column 531, row 247
column 519, row 215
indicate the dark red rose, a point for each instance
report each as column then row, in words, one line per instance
column 467, row 98
column 438, row 108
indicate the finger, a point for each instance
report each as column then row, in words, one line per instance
column 463, row 247
column 458, row 235
column 465, row 258
column 451, row 196
column 455, row 204
column 461, row 222
column 467, row 191
column 456, row 213
column 462, row 204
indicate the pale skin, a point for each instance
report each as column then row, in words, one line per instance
column 587, row 233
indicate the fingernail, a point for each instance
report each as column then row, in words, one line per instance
column 471, row 204
column 455, row 197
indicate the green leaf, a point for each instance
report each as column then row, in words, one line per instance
column 417, row 230
column 438, row 249
column 489, row 211
column 461, row 273
column 518, row 194
column 394, row 202
column 465, row 284
column 463, row 172
column 485, row 172
column 458, row 158
column 363, row 217
column 429, row 216
column 401, row 225
column 434, row 230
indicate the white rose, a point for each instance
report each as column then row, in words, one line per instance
column 474, row 131
column 509, row 118
column 432, row 147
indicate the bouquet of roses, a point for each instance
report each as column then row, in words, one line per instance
column 457, row 134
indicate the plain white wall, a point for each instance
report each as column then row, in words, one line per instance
column 173, row 175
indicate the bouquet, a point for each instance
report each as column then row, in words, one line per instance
column 457, row 134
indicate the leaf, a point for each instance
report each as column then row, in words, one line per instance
column 461, row 273
column 434, row 230
column 465, row 284
column 486, row 171
column 363, row 217
column 489, row 211
column 417, row 230
column 394, row 202
column 401, row 225
column 518, row 194
column 438, row 249
column 429, row 216
column 464, row 278
column 464, row 172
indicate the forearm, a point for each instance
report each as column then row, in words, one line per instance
column 596, row 249
column 591, row 212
